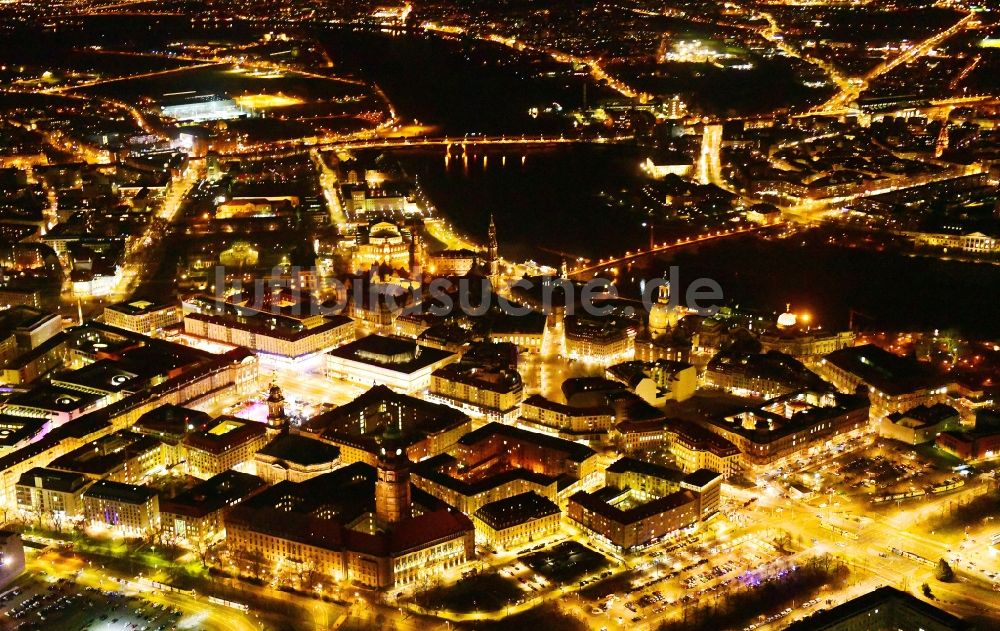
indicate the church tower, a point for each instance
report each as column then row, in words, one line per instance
column 416, row 256
column 392, row 487
column 277, row 422
column 663, row 316
column 492, row 256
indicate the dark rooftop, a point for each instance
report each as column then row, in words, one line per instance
column 301, row 450
column 574, row 451
column 53, row 479
column 119, row 492
column 220, row 491
column 901, row 611
column 516, row 510
column 885, row 371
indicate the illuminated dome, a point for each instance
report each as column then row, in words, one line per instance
column 661, row 315
column 787, row 320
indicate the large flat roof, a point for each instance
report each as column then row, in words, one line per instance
column 390, row 353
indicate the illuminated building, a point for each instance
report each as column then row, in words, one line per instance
column 658, row 381
column 516, row 520
column 982, row 442
column 791, row 426
column 26, row 335
column 188, row 375
column 694, row 447
column 664, row 163
column 499, row 461
column 970, row 446
column 228, row 442
column 196, row 515
column 295, row 457
column 127, row 509
column 805, row 345
column 764, row 214
column 495, row 393
column 57, row 404
column 37, row 362
column 643, row 503
column 894, row 383
column 327, row 524
column 662, row 315
column 124, row 456
column 19, row 431
column 55, row 494
column 249, row 207
column 568, row 421
column 921, row 424
column 381, row 244
column 531, row 451
column 443, row 477
column 23, row 329
column 598, row 341
column 879, row 610
column 170, row 424
column 630, row 436
column 142, row 316
column 427, row 428
column 528, row 332
column 452, row 262
column 973, row 242
column 107, row 379
column 765, row 375
column 280, row 331
column 398, row 363
column 362, row 198
column 14, row 297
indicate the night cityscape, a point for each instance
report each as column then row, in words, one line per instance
column 413, row 315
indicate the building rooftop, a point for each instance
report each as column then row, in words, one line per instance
column 172, row 420
column 225, row 433
column 898, row 609
column 103, row 376
column 885, row 371
column 220, row 491
column 302, row 450
column 138, row 307
column 926, row 415
column 119, row 492
column 516, row 510
column 632, row 465
column 316, row 512
column 500, row 380
column 53, row 398
column 600, row 505
column 364, row 419
column 399, row 355
column 575, row 452
column 106, row 454
column 53, row 480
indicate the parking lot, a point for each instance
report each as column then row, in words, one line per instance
column 35, row 602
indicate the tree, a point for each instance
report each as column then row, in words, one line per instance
column 944, row 573
column 927, row 591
